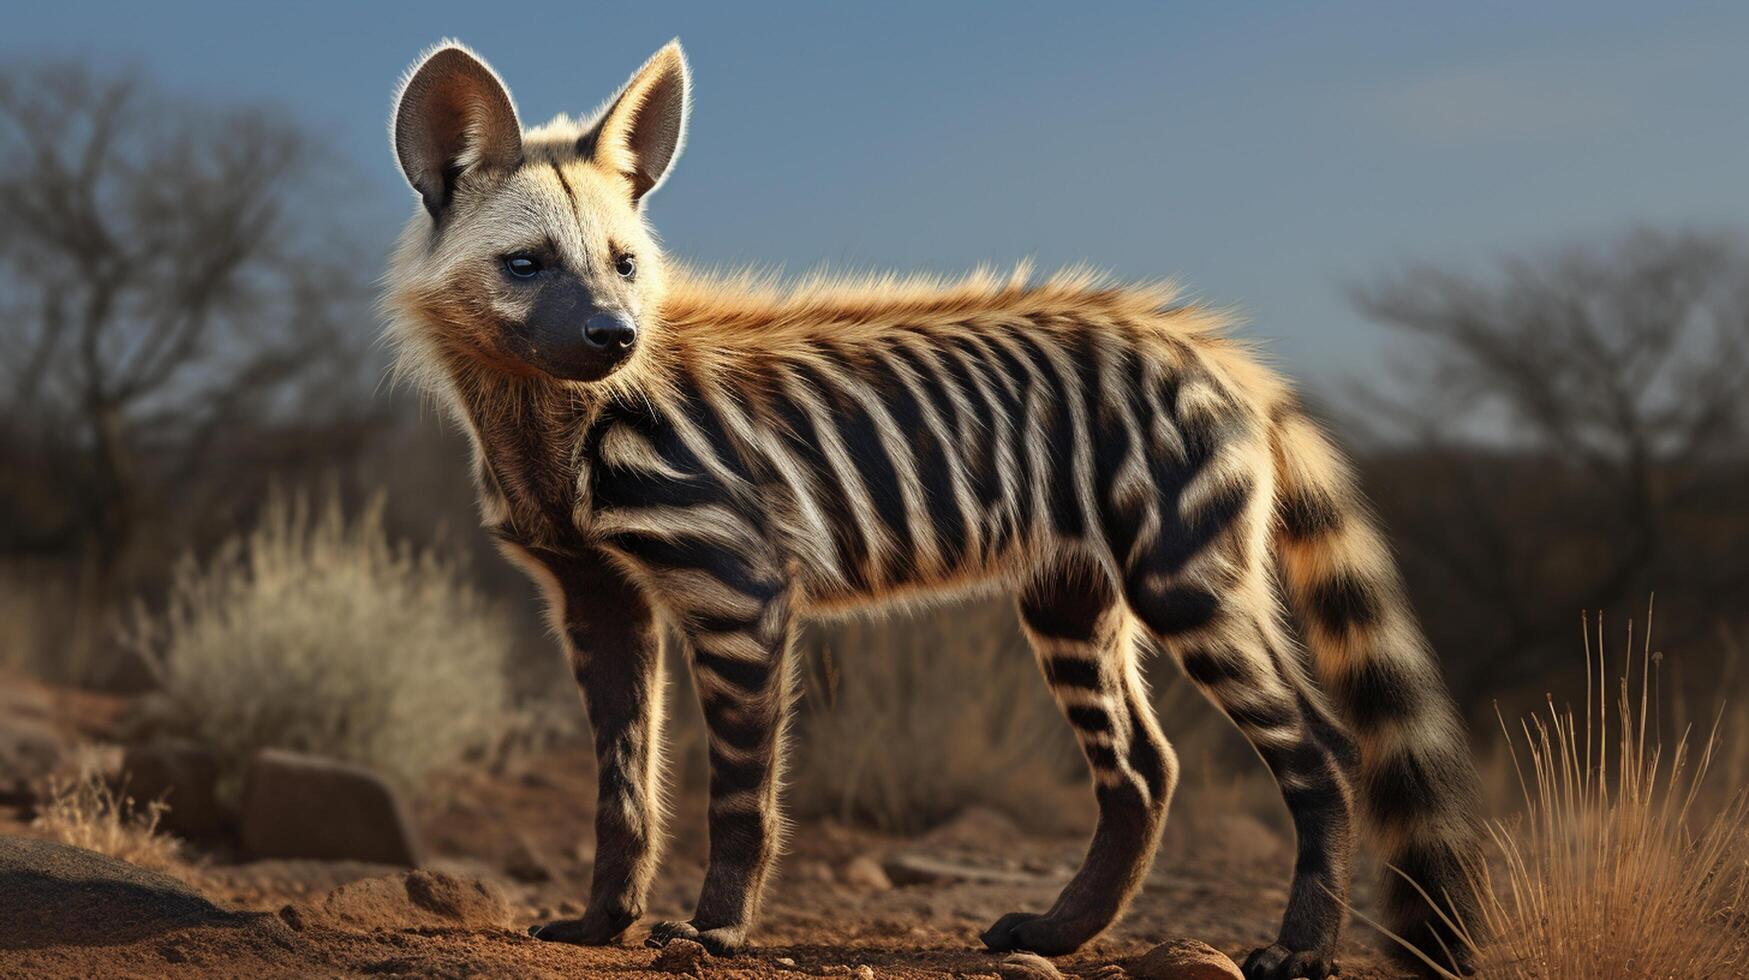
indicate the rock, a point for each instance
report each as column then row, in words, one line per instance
column 185, row 776
column 527, row 862
column 303, row 806
column 1184, row 959
column 815, row 870
column 866, row 873
column 682, row 956
column 410, row 900
column 918, row 869
column 863, row 972
column 1027, row 966
column 976, row 827
column 54, row 892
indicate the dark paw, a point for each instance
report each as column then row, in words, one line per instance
column 721, row 941
column 1277, row 962
column 591, row 930
column 1031, row 933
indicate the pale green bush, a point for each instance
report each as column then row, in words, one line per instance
column 319, row 634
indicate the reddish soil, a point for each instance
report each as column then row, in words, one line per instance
column 527, row 833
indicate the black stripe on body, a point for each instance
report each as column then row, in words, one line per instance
column 1072, row 672
column 998, row 400
column 730, row 775
column 748, row 676
column 1174, row 609
column 1113, row 440
column 803, row 440
column 934, row 460
column 1062, row 501
column 1343, row 602
column 861, row 438
column 1211, row 669
column 1307, row 515
column 1088, row 719
column 1145, row 757
column 1376, row 693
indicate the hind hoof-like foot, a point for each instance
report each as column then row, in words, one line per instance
column 1277, row 962
column 1032, row 933
column 722, row 941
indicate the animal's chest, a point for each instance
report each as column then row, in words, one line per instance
column 529, row 483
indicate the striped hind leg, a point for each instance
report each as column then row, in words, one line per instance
column 1231, row 647
column 1082, row 636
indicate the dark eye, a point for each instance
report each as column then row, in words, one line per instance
column 522, row 266
column 625, row 266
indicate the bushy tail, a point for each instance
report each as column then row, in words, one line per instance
column 1417, row 781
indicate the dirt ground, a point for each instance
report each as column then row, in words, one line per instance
column 526, row 832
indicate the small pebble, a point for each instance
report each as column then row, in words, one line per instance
column 1028, row 966
column 682, row 956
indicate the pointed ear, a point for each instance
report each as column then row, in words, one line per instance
column 453, row 115
column 644, row 130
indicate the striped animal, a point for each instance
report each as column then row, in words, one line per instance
column 728, row 454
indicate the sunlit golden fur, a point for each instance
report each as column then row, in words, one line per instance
column 769, row 448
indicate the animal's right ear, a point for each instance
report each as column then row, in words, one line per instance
column 452, row 116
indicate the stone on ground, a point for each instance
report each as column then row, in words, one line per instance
column 304, row 806
column 866, row 873
column 1184, row 959
column 1027, row 966
column 682, row 956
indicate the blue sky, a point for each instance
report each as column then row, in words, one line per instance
column 1268, row 155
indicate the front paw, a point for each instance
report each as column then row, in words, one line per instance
column 721, row 941
column 1032, row 933
column 593, row 929
column 1277, row 962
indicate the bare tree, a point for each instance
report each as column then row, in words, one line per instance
column 1569, row 435
column 175, row 287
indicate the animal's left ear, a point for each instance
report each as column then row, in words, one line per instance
column 642, row 132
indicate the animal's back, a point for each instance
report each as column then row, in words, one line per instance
column 903, row 438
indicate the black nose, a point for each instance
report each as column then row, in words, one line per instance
column 606, row 330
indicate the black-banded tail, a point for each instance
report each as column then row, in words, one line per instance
column 1417, row 781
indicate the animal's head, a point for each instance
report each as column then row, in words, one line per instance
column 531, row 254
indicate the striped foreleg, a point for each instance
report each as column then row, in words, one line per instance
column 615, row 651
column 739, row 638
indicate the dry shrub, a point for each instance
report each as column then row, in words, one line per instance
column 906, row 722
column 86, row 812
column 319, row 634
column 1616, row 868
column 47, row 628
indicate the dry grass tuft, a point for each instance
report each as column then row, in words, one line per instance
column 1618, row 867
column 904, row 723
column 319, row 634
column 86, row 812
